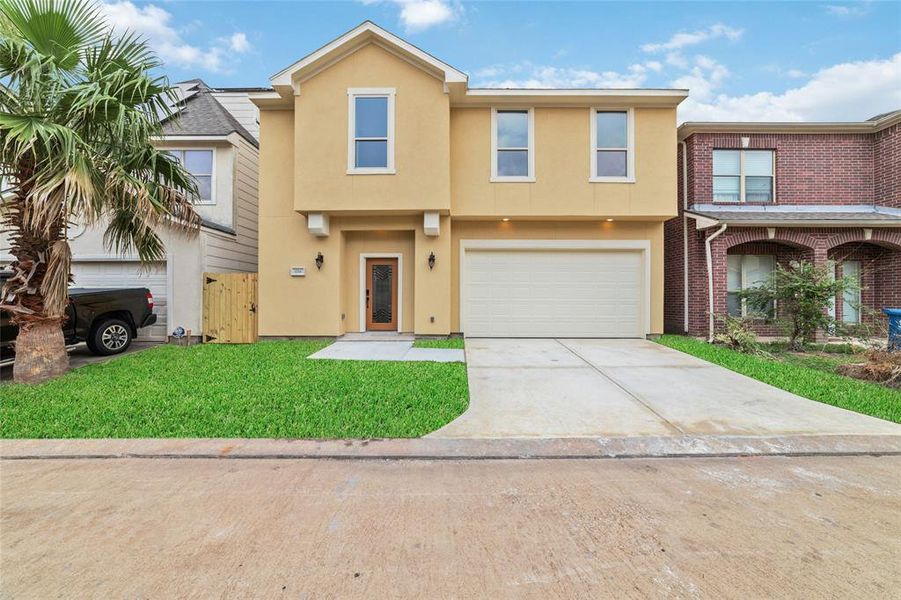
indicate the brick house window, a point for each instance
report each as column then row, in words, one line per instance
column 746, row 271
column 851, row 299
column 743, row 175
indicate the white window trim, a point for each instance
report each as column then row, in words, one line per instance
column 741, row 174
column 530, row 178
column 593, row 147
column 352, row 95
column 400, row 286
column 183, row 149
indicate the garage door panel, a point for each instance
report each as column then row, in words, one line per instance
column 542, row 293
column 126, row 274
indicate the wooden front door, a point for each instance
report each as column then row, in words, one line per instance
column 381, row 294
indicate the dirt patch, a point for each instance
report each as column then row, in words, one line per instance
column 880, row 366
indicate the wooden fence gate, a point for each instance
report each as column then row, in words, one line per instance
column 230, row 308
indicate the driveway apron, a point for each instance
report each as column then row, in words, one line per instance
column 521, row 388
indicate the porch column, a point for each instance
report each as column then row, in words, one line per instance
column 820, row 258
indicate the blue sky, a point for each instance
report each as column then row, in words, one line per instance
column 741, row 60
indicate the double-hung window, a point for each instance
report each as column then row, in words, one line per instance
column 747, row 271
column 370, row 144
column 513, row 145
column 743, row 176
column 612, row 146
column 199, row 163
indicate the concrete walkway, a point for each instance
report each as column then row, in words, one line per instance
column 394, row 350
column 629, row 388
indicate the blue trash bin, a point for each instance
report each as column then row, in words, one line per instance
column 894, row 328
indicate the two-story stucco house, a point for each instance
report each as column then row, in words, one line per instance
column 754, row 195
column 214, row 133
column 394, row 197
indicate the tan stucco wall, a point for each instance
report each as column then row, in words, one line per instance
column 582, row 230
column 313, row 305
column 442, row 160
column 421, row 144
column 562, row 168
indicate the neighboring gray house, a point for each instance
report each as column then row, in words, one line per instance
column 215, row 135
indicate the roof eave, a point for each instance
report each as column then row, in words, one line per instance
column 568, row 97
column 689, row 128
column 706, row 221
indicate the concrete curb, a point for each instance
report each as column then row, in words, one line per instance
column 455, row 449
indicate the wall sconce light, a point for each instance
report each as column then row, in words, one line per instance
column 431, row 260
column 319, row 260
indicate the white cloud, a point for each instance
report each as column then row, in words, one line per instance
column 683, row 39
column 843, row 10
column 703, row 78
column 845, row 92
column 419, row 15
column 155, row 24
column 528, row 75
column 238, row 42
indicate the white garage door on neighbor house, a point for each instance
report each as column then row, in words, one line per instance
column 128, row 273
column 553, row 292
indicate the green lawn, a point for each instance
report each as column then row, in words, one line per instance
column 811, row 377
column 454, row 343
column 264, row 390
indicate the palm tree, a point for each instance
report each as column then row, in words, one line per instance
column 79, row 107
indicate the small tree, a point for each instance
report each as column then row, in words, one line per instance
column 803, row 292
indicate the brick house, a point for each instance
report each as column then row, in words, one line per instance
column 753, row 195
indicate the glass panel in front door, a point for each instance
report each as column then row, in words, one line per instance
column 382, row 284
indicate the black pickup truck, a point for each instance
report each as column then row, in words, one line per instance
column 107, row 319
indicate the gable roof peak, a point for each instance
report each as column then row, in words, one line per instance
column 364, row 33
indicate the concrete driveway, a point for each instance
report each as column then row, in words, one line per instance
column 612, row 388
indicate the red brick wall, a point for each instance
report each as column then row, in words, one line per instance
column 888, row 281
column 810, row 168
column 887, row 154
column 673, row 266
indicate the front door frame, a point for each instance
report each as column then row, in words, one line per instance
column 400, row 286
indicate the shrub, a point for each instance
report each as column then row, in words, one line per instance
column 804, row 292
column 737, row 334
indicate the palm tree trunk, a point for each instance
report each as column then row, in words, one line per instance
column 40, row 352
column 40, row 345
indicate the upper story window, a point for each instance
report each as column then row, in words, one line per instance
column 512, row 145
column 743, row 175
column 612, row 146
column 370, row 148
column 199, row 163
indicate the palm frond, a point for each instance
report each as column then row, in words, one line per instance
column 79, row 108
column 60, row 29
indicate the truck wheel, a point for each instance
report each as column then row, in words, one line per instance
column 110, row 336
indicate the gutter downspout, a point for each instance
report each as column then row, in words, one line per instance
column 709, row 239
column 684, row 236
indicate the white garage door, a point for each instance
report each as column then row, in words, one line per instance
column 553, row 293
column 124, row 274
